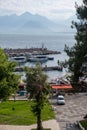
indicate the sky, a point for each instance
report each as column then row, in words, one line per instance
column 52, row 9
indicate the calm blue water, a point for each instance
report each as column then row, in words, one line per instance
column 53, row 42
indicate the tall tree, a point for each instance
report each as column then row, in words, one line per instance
column 78, row 53
column 8, row 80
column 38, row 88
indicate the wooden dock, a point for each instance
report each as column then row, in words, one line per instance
column 50, row 68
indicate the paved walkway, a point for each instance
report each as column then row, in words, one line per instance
column 68, row 126
column 74, row 110
column 53, row 124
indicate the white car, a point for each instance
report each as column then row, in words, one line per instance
column 60, row 100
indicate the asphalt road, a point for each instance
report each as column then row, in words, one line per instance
column 74, row 110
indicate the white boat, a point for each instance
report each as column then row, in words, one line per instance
column 28, row 56
column 50, row 58
column 20, row 59
column 40, row 58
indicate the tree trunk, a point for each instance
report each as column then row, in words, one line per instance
column 39, row 122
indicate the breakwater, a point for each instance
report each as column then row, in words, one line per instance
column 34, row 51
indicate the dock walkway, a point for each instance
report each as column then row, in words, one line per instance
column 49, row 68
column 35, row 51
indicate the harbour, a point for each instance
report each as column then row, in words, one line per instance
column 51, row 42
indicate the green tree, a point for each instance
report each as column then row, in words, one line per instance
column 78, row 53
column 8, row 80
column 38, row 88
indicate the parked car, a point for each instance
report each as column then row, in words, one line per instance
column 60, row 100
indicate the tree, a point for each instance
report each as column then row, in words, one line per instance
column 78, row 53
column 38, row 88
column 8, row 80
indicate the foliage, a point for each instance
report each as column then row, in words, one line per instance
column 84, row 124
column 78, row 53
column 22, row 114
column 8, row 80
column 38, row 88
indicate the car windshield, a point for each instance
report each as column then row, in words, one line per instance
column 60, row 98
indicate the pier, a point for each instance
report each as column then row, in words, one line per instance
column 50, row 68
column 34, row 51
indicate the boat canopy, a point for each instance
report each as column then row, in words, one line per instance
column 62, row 86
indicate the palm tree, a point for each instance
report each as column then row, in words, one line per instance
column 38, row 88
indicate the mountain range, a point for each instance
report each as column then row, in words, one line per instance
column 28, row 23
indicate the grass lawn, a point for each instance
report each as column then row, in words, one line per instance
column 21, row 114
column 84, row 124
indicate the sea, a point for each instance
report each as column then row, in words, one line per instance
column 55, row 42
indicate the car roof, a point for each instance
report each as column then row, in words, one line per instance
column 60, row 96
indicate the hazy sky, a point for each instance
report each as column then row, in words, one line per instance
column 53, row 9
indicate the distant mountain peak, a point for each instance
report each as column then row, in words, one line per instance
column 26, row 14
column 30, row 23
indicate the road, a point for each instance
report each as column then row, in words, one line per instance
column 74, row 110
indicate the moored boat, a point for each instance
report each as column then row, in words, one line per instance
column 50, row 58
column 40, row 58
column 20, row 59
